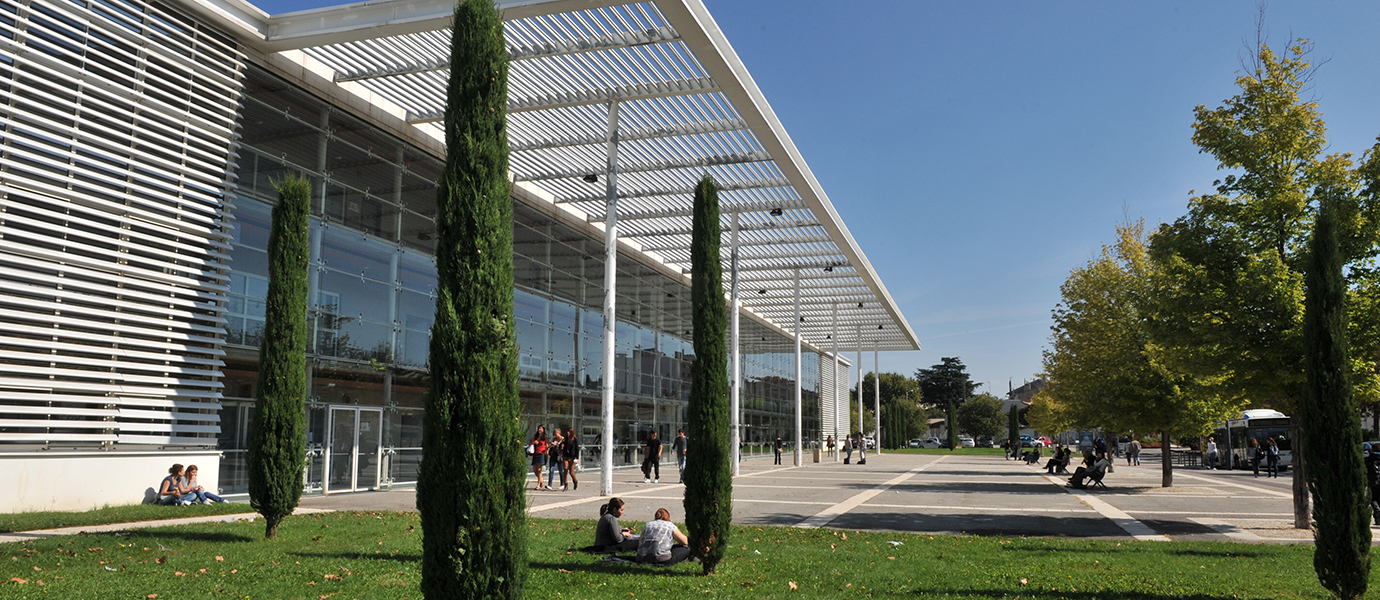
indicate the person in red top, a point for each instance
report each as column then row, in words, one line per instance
column 538, row 451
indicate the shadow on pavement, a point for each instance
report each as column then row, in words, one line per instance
column 982, row 524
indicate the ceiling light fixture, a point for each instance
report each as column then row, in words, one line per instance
column 828, row 269
column 591, row 178
column 776, row 212
column 761, row 291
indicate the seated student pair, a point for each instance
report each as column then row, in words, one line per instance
column 181, row 488
column 661, row 543
column 1093, row 469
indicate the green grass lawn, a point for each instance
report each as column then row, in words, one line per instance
column 30, row 521
column 375, row 555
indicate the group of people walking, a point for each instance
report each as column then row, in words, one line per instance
column 1267, row 452
column 558, row 454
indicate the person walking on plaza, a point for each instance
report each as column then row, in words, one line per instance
column 570, row 458
column 1212, row 454
column 1372, row 456
column 829, row 445
column 1253, row 453
column 862, row 449
column 847, row 449
column 651, row 463
column 776, row 448
column 1272, row 459
column 555, row 461
column 537, row 450
column 1135, row 452
column 679, row 447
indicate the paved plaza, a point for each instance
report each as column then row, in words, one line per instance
column 942, row 493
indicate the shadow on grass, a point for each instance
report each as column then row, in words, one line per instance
column 622, row 568
column 1237, row 550
column 1062, row 594
column 190, row 536
column 402, row 558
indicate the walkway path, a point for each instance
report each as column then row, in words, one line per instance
column 43, row 533
column 922, row 493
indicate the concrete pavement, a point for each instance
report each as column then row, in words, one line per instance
column 944, row 493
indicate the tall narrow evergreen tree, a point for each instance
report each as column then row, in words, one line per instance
column 708, row 474
column 278, row 435
column 951, row 421
column 1331, row 424
column 470, row 485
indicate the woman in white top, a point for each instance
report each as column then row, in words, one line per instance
column 657, row 547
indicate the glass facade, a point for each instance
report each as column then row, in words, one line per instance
column 373, row 284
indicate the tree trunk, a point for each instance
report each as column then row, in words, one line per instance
column 1166, row 461
column 1302, row 518
column 271, row 528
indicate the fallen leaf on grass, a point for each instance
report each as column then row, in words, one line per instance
column 220, row 559
column 151, row 596
column 891, row 558
column 333, row 577
column 96, row 549
column 563, row 570
column 233, row 571
column 844, row 537
column 18, row 580
column 179, row 573
column 1025, row 581
column 793, row 586
column 160, row 560
column 109, row 569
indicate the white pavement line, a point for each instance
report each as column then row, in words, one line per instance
column 829, row 514
column 743, row 500
column 579, row 501
column 1240, row 485
column 1227, row 529
column 769, row 471
column 991, row 509
column 1247, row 515
column 21, row 536
column 1138, row 530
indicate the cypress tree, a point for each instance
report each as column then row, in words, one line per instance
column 278, row 435
column 1331, row 424
column 470, row 485
column 708, row 476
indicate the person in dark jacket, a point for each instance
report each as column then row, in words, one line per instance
column 776, row 447
column 651, row 463
column 570, row 457
column 1373, row 478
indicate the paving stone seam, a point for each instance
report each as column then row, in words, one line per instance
column 829, row 514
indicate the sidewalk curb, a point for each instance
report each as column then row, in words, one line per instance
column 38, row 534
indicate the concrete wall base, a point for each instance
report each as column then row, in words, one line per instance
column 76, row 481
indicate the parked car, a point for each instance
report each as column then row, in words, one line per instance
column 965, row 441
column 984, row 442
column 931, row 442
column 871, row 443
column 1029, row 441
column 916, row 443
column 1046, row 441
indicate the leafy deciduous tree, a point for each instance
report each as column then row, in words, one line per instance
column 981, row 415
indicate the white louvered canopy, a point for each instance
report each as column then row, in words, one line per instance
column 687, row 107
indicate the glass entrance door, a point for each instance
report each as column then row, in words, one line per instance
column 352, row 462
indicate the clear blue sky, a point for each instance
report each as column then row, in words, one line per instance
column 979, row 151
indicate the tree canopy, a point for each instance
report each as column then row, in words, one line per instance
column 982, row 415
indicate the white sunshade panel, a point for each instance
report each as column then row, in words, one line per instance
column 675, row 125
column 112, row 208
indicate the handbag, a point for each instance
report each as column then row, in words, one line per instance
column 531, row 449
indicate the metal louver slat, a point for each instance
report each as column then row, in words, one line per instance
column 113, row 204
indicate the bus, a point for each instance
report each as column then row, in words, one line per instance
column 1259, row 425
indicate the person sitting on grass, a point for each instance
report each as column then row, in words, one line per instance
column 608, row 535
column 200, row 494
column 657, row 547
column 1095, row 472
column 170, row 491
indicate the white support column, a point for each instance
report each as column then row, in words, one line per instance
column 610, row 285
column 861, row 424
column 877, row 395
column 834, row 392
column 799, row 393
column 735, row 423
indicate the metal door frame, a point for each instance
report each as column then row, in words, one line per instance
column 354, row 449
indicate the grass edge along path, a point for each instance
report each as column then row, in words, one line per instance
column 377, row 555
column 109, row 515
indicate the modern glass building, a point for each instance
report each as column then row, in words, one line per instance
column 140, row 145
